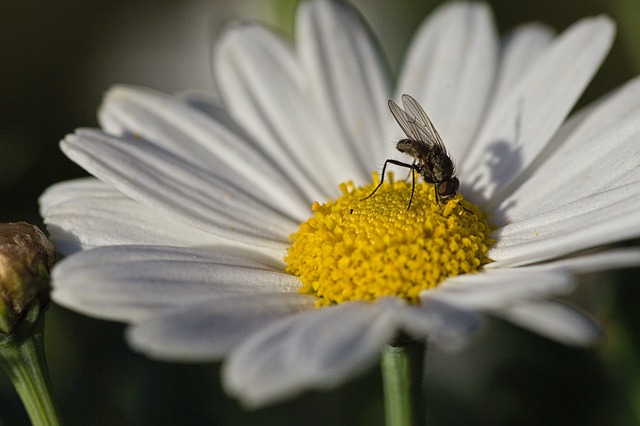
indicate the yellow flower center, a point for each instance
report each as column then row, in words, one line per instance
column 355, row 249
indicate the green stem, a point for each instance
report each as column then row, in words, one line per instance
column 23, row 358
column 402, row 379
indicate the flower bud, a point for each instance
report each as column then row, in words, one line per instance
column 26, row 256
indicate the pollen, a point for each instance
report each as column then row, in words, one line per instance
column 363, row 249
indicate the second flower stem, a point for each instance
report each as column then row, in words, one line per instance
column 23, row 359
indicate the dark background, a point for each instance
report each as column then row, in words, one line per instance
column 57, row 58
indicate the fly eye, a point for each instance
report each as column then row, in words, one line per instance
column 448, row 187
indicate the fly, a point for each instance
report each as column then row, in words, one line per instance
column 423, row 143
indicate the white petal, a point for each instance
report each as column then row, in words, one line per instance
column 86, row 213
column 520, row 50
column 517, row 129
column 194, row 196
column 209, row 329
column 598, row 219
column 349, row 84
column 588, row 263
column 263, row 86
column 601, row 151
column 445, row 325
column 63, row 192
column 554, row 320
column 212, row 106
column 450, row 68
column 497, row 288
column 209, row 104
column 210, row 142
column 127, row 283
column 316, row 349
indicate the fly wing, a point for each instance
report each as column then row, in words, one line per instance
column 420, row 121
column 408, row 123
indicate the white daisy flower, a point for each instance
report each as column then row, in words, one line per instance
column 184, row 233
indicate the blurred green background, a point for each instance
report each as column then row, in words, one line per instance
column 58, row 58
